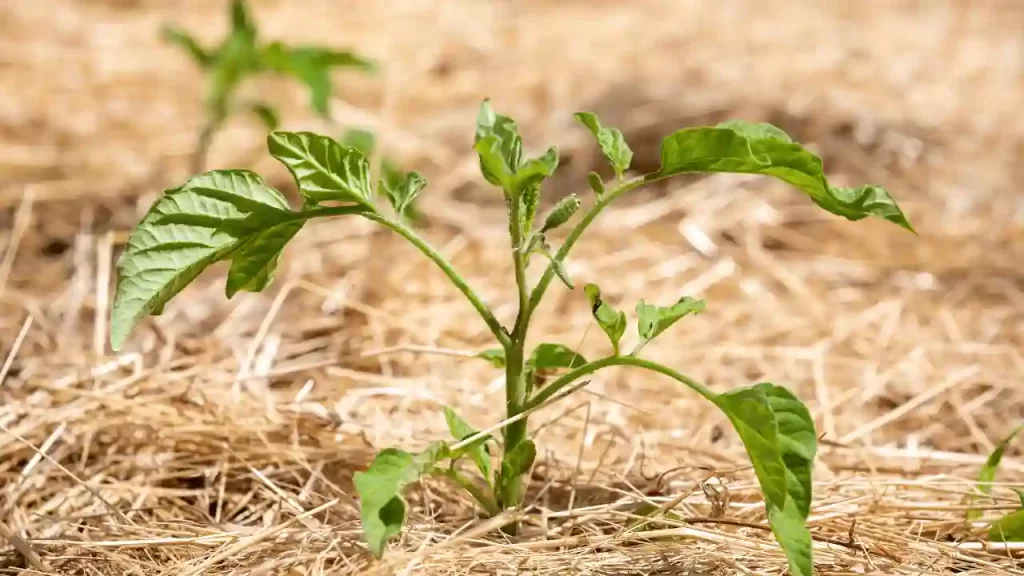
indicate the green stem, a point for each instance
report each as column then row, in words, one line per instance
column 555, row 387
column 496, row 328
column 203, row 144
column 515, row 385
column 577, row 231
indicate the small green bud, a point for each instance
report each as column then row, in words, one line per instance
column 564, row 210
column 596, row 184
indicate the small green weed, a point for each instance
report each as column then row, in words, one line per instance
column 1009, row 528
column 240, row 56
column 232, row 215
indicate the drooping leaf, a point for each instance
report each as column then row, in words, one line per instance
column 323, row 169
column 188, row 229
column 1009, row 528
column 478, row 451
column 402, row 193
column 653, row 320
column 549, row 356
column 559, row 269
column 778, row 433
column 740, row 147
column 266, row 114
column 380, row 488
column 253, row 263
column 610, row 140
column 312, row 66
column 612, row 321
column 186, row 42
column 561, row 213
column 987, row 475
column 496, row 356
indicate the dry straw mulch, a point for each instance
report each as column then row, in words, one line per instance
column 223, row 441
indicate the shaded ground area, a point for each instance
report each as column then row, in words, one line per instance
column 223, row 440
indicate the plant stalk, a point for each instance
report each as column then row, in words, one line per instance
column 203, row 145
column 515, row 385
column 492, row 323
column 555, row 387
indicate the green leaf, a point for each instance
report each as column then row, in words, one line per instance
column 496, row 356
column 477, row 451
column 740, row 147
column 550, row 356
column 612, row 321
column 561, row 213
column 1009, row 528
column 323, row 169
column 402, row 193
column 987, row 475
column 778, row 433
column 312, row 66
column 531, row 173
column 209, row 218
column 518, row 461
column 653, row 320
column 266, row 114
column 382, row 507
column 186, row 42
column 499, row 146
column 254, row 262
column 611, row 142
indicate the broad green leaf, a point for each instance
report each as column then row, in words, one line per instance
column 612, row 321
column 266, row 114
column 496, row 356
column 478, row 451
column 323, row 169
column 778, row 433
column 549, row 356
column 653, row 320
column 1009, row 528
column 207, row 219
column 186, row 42
column 312, row 65
column 987, row 475
column 402, row 193
column 561, row 213
column 254, row 262
column 611, row 142
column 740, row 147
column 380, row 488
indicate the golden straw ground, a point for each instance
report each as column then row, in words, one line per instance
column 223, row 440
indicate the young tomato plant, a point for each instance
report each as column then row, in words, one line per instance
column 240, row 57
column 233, row 215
